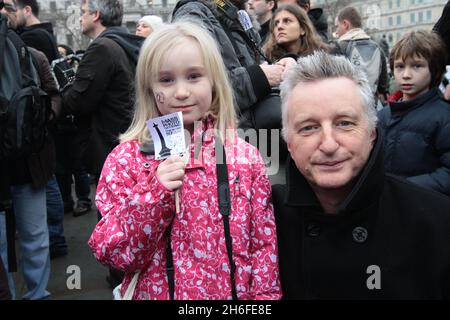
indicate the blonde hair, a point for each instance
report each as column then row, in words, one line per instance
column 150, row 60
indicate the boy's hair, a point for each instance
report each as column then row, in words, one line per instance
column 425, row 44
column 34, row 5
column 152, row 55
column 351, row 15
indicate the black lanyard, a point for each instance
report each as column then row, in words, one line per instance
column 223, row 192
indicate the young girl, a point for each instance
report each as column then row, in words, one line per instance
column 180, row 69
column 292, row 33
column 417, row 121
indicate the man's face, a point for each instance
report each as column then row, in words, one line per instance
column 341, row 27
column 87, row 20
column 328, row 133
column 259, row 7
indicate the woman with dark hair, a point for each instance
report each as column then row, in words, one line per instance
column 292, row 33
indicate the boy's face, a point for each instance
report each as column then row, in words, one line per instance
column 412, row 76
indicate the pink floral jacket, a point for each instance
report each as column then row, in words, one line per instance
column 137, row 210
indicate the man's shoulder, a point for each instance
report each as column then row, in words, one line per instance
column 191, row 7
column 421, row 203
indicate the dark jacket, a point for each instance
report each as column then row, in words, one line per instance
column 417, row 140
column 319, row 20
column 40, row 36
column 264, row 32
column 385, row 222
column 247, row 78
column 103, row 89
column 442, row 27
column 36, row 169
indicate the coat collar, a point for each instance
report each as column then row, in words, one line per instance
column 403, row 106
column 366, row 190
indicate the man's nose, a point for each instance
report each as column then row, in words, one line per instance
column 328, row 143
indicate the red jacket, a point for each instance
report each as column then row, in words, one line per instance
column 137, row 210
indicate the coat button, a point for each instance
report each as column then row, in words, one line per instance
column 146, row 165
column 313, row 230
column 360, row 234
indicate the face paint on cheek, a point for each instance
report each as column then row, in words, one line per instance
column 160, row 98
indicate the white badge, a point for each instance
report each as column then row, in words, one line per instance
column 245, row 20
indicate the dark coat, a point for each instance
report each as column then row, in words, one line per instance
column 385, row 221
column 442, row 27
column 319, row 20
column 417, row 140
column 103, row 89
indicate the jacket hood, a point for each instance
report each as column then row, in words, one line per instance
column 354, row 34
column 130, row 43
column 368, row 186
column 47, row 26
column 318, row 19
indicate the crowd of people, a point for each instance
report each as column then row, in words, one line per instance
column 364, row 212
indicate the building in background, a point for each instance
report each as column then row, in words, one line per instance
column 392, row 18
column 65, row 17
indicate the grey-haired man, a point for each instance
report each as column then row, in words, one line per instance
column 347, row 230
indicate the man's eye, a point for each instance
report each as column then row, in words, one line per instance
column 306, row 129
column 345, row 124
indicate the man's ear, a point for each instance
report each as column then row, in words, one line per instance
column 373, row 136
column 271, row 4
column 347, row 24
column 97, row 16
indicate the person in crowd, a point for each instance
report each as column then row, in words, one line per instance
column 141, row 230
column 346, row 229
column 356, row 45
column 291, row 33
column 147, row 24
column 103, row 86
column 251, row 77
column 442, row 27
column 263, row 10
column 25, row 20
column 73, row 135
column 316, row 15
column 28, row 178
column 417, row 121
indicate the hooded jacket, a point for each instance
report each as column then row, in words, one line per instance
column 138, row 210
column 319, row 20
column 103, row 90
column 40, row 36
column 389, row 240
